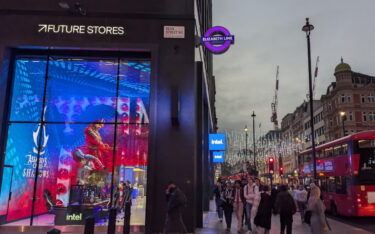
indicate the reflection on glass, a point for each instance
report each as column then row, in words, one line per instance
column 28, row 88
column 81, row 90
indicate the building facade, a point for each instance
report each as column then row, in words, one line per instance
column 96, row 93
column 349, row 103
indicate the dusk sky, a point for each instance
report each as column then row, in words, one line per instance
column 267, row 34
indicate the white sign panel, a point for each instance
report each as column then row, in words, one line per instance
column 371, row 197
column 174, row 31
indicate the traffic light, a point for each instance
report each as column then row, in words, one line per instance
column 270, row 165
column 281, row 170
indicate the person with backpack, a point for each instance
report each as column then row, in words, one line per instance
column 264, row 215
column 286, row 207
column 176, row 201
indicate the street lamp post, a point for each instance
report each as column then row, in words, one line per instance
column 343, row 118
column 255, row 166
column 307, row 28
column 245, row 140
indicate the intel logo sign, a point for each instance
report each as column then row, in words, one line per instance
column 216, row 141
column 218, row 156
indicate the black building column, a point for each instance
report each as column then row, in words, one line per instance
column 206, row 158
column 199, row 145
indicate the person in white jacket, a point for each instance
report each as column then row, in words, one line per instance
column 250, row 192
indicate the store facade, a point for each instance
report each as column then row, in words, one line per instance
column 94, row 96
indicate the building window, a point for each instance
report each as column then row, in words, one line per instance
column 342, row 98
column 351, row 116
column 370, row 116
column 329, row 106
column 349, row 98
column 362, row 98
column 364, row 117
column 371, row 98
column 330, row 123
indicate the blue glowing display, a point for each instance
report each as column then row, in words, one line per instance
column 216, row 141
column 218, row 156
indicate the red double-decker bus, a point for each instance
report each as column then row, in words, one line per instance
column 346, row 173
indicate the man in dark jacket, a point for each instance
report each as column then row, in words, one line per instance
column 219, row 202
column 286, row 207
column 176, row 202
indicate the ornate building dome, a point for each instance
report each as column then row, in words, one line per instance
column 342, row 67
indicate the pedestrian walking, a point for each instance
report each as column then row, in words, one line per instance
column 318, row 221
column 228, row 204
column 286, row 207
column 244, row 216
column 301, row 198
column 264, row 215
column 239, row 201
column 127, row 192
column 218, row 201
column 250, row 191
column 176, row 201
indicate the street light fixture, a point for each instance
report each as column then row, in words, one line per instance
column 343, row 119
column 255, row 166
column 307, row 28
column 245, row 129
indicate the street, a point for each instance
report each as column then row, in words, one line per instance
column 338, row 225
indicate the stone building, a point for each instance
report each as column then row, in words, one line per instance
column 350, row 99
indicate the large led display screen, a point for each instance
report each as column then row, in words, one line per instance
column 83, row 120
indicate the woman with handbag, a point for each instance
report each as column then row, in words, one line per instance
column 318, row 222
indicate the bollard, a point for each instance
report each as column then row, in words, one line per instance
column 89, row 225
column 127, row 217
column 54, row 231
column 112, row 220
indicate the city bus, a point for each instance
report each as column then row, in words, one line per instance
column 346, row 173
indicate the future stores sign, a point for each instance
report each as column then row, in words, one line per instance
column 81, row 29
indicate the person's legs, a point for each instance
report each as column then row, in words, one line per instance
column 219, row 209
column 240, row 215
column 289, row 224
column 282, row 223
column 301, row 209
column 248, row 215
column 228, row 215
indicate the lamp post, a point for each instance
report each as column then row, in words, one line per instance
column 255, row 166
column 343, row 118
column 307, row 28
column 245, row 129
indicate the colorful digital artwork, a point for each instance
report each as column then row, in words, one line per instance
column 78, row 129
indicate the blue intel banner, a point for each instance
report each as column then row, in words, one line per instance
column 218, row 156
column 216, row 141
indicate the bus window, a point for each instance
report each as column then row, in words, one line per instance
column 331, row 185
column 337, row 151
column 307, row 158
column 320, row 154
column 340, row 185
column 345, row 149
column 329, row 152
column 323, row 184
column 366, row 150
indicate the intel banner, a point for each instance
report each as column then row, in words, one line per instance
column 216, row 141
column 218, row 156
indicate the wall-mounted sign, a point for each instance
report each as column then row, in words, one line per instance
column 174, row 32
column 74, row 217
column 216, row 141
column 217, row 39
column 218, row 157
column 81, row 29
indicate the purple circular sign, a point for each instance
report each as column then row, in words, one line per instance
column 209, row 39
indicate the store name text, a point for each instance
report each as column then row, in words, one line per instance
column 81, row 29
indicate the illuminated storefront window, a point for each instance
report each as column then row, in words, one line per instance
column 63, row 115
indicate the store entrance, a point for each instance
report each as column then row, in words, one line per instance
column 77, row 140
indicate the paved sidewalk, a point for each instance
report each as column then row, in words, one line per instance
column 212, row 225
